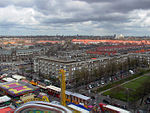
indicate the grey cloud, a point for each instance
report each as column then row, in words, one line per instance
column 4, row 3
column 104, row 13
column 42, row 5
column 83, row 17
column 20, row 3
column 93, row 1
column 49, row 7
column 25, row 3
column 125, row 6
column 7, row 24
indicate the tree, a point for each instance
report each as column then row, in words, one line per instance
column 145, row 63
column 108, row 69
column 133, row 105
column 76, row 76
column 125, row 66
column 143, row 90
column 129, row 63
column 82, row 77
column 101, row 71
column 113, row 68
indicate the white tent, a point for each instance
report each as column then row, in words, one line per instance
column 4, row 99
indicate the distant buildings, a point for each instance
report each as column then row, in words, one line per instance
column 89, row 41
column 111, row 50
column 69, row 55
column 19, row 54
column 120, row 37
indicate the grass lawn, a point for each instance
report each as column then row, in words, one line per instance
column 136, row 83
column 110, row 85
column 122, row 93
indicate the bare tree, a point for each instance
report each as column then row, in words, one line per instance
column 143, row 90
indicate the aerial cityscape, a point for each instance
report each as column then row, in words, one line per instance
column 74, row 56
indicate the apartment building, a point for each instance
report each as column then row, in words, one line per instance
column 74, row 54
column 51, row 66
column 19, row 54
column 7, row 55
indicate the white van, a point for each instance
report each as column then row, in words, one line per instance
column 131, row 72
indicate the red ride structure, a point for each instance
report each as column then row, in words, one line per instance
column 111, row 109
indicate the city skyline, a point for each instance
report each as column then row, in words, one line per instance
column 71, row 17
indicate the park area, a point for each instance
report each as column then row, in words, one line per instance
column 131, row 91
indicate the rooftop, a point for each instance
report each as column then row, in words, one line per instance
column 17, row 88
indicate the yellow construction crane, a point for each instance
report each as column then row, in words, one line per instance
column 63, row 87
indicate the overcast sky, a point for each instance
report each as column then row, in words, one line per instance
column 72, row 17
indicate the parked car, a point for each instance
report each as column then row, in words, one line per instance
column 124, row 106
column 102, row 82
column 131, row 72
column 90, row 86
column 106, row 101
column 98, row 84
column 142, row 111
column 147, row 101
column 117, row 105
column 92, row 97
column 110, row 79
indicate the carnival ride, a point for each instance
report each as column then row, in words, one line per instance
column 105, row 108
column 16, row 88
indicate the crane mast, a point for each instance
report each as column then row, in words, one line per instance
column 63, row 87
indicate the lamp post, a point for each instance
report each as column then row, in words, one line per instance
column 127, row 89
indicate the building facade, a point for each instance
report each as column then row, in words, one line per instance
column 19, row 54
column 50, row 66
